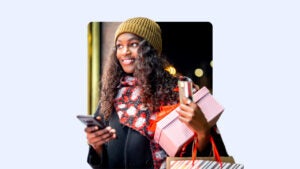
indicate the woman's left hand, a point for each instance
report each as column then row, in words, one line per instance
column 192, row 116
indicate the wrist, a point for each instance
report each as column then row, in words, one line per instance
column 98, row 149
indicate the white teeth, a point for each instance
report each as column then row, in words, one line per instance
column 127, row 61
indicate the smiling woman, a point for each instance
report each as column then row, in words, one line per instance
column 193, row 59
column 135, row 85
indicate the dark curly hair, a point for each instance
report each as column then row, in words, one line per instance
column 157, row 85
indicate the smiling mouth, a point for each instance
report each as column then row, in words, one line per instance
column 128, row 61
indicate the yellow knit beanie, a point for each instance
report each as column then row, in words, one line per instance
column 143, row 27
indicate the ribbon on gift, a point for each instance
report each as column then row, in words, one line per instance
column 164, row 110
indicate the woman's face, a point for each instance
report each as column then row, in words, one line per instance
column 127, row 45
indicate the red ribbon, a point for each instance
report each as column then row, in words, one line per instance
column 164, row 110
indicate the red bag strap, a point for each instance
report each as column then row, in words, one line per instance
column 195, row 145
column 214, row 148
column 215, row 151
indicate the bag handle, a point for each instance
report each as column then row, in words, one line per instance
column 214, row 148
column 215, row 151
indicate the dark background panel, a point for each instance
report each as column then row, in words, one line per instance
column 188, row 45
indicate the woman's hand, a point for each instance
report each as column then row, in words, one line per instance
column 191, row 114
column 97, row 137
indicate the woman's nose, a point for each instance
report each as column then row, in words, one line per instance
column 127, row 50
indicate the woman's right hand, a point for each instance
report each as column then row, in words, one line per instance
column 97, row 137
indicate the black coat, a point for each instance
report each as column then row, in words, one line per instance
column 132, row 150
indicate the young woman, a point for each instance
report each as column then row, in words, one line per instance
column 134, row 86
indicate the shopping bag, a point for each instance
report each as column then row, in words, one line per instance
column 214, row 162
column 202, row 163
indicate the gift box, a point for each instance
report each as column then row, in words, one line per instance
column 172, row 134
column 211, row 109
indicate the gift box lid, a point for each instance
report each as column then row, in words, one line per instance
column 165, row 122
column 200, row 94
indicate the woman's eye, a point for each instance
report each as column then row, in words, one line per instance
column 134, row 44
column 119, row 46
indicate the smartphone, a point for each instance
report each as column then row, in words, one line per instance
column 89, row 120
column 185, row 86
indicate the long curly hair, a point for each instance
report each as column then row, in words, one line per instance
column 157, row 85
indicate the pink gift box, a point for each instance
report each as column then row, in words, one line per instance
column 172, row 134
column 211, row 109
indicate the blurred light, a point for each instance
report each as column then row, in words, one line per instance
column 211, row 63
column 171, row 70
column 198, row 72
